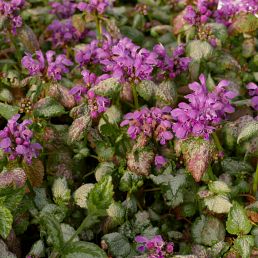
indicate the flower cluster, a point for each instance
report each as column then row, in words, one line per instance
column 95, row 52
column 57, row 65
column 90, row 80
column 155, row 247
column 16, row 140
column 129, row 62
column 10, row 10
column 227, row 9
column 171, row 66
column 200, row 15
column 63, row 9
column 63, row 32
column 94, row 6
column 253, row 92
column 154, row 122
column 204, row 111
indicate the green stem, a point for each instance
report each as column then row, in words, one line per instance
column 87, row 222
column 135, row 97
column 99, row 28
column 17, row 52
column 217, row 142
column 30, row 187
column 255, row 184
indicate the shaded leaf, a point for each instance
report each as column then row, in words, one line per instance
column 53, row 228
column 115, row 241
column 28, row 38
column 6, row 221
column 48, row 107
column 35, row 172
column 8, row 111
column 83, row 249
column 249, row 131
column 208, row 230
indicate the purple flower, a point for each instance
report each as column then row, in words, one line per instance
column 10, row 10
column 170, row 67
column 155, row 247
column 57, row 66
column 15, row 140
column 97, row 104
column 204, row 111
column 154, row 122
column 64, row 9
column 160, row 161
column 253, row 92
column 35, row 65
column 78, row 92
column 98, row 6
column 63, row 33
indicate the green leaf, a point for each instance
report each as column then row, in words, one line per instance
column 100, row 197
column 79, row 128
column 208, row 230
column 6, row 221
column 249, row 131
column 116, row 211
column 198, row 50
column 6, row 95
column 238, row 222
column 118, row 244
column 103, row 169
column 108, row 87
column 81, row 194
column 61, row 192
column 244, row 23
column 53, row 228
column 38, row 249
column 12, row 201
column 146, row 89
column 243, row 245
column 8, row 111
column 83, row 250
column 219, row 187
column 104, row 151
column 219, row 30
column 48, row 107
column 218, row 203
column 166, row 93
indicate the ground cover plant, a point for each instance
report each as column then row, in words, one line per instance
column 128, row 128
